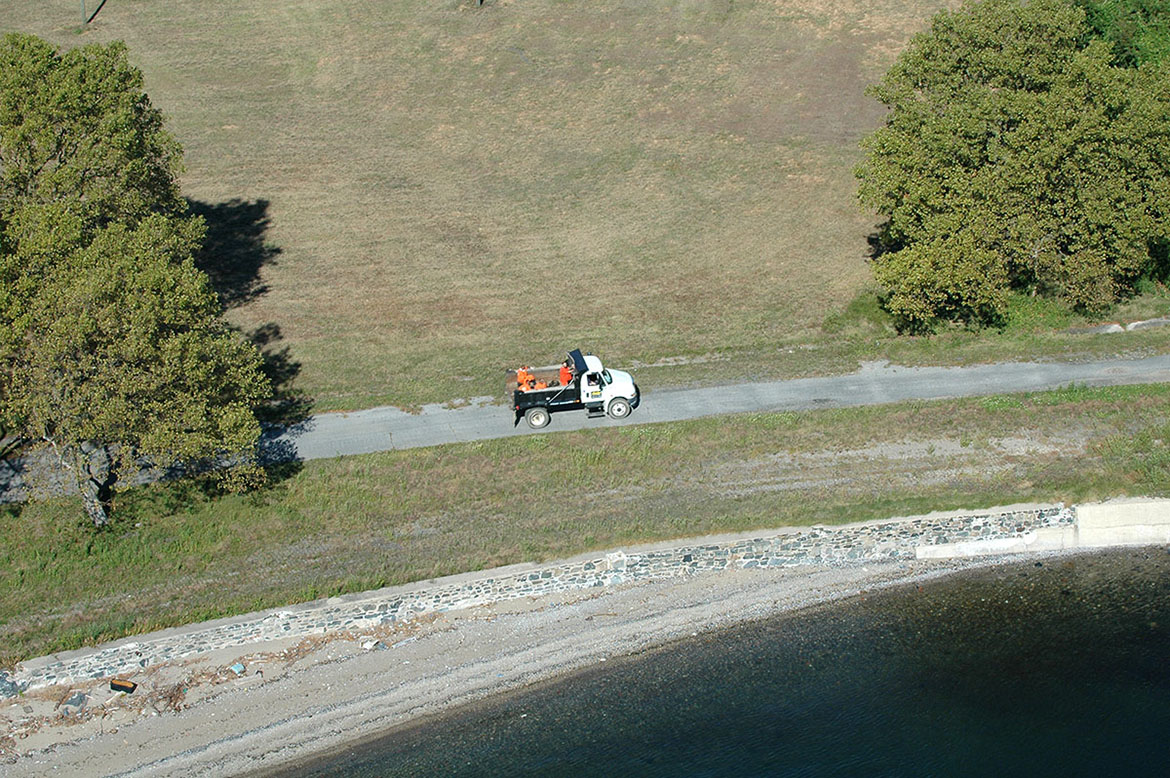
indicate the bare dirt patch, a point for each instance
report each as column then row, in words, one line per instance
column 910, row 464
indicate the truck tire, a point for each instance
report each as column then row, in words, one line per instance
column 619, row 408
column 537, row 417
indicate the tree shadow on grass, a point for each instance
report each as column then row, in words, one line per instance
column 881, row 241
column 234, row 254
column 11, row 470
column 13, row 479
column 235, row 249
column 289, row 410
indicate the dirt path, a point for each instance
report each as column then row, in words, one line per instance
column 384, row 429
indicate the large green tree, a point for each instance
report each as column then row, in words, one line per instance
column 1139, row 30
column 112, row 353
column 77, row 124
column 1015, row 155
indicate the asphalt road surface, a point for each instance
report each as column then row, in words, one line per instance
column 383, row 429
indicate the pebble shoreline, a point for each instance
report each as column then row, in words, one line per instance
column 888, row 540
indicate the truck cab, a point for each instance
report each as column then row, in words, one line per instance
column 593, row 388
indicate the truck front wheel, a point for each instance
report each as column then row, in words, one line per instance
column 619, row 408
column 537, row 418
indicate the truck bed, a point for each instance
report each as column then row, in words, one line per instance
column 549, row 374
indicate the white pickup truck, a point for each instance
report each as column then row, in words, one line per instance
column 581, row 382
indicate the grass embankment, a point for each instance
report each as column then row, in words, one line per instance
column 175, row 556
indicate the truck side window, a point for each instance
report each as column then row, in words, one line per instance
column 593, row 378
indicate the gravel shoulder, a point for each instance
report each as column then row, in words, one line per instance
column 878, row 383
column 295, row 701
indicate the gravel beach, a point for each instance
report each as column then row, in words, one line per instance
column 285, row 702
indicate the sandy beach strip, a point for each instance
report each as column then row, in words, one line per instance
column 297, row 700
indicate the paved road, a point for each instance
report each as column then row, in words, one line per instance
column 384, row 429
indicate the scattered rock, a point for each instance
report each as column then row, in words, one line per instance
column 10, row 688
column 1147, row 324
column 77, row 700
column 1114, row 327
column 1100, row 328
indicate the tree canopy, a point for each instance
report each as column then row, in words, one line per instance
column 76, row 126
column 1139, row 30
column 112, row 352
column 1016, row 155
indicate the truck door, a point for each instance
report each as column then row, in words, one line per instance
column 591, row 388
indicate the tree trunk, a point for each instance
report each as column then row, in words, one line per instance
column 94, row 508
column 8, row 443
column 80, row 463
column 97, row 491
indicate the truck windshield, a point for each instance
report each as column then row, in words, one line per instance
column 606, row 378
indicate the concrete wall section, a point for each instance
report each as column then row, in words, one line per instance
column 1144, row 522
column 1123, row 523
column 1039, row 539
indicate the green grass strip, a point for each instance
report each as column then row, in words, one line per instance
column 175, row 554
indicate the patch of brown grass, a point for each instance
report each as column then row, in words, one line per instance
column 455, row 188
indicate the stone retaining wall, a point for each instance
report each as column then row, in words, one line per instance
column 846, row 545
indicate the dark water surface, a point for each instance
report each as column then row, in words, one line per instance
column 1056, row 669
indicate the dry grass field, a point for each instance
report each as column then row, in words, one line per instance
column 431, row 191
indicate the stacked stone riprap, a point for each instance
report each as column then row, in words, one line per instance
column 821, row 546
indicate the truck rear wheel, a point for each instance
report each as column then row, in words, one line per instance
column 537, row 417
column 619, row 408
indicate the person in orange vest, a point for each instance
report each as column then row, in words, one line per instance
column 523, row 379
column 566, row 375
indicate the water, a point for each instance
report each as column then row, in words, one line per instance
column 1052, row 670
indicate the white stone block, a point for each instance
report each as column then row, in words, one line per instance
column 1043, row 539
column 1124, row 523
